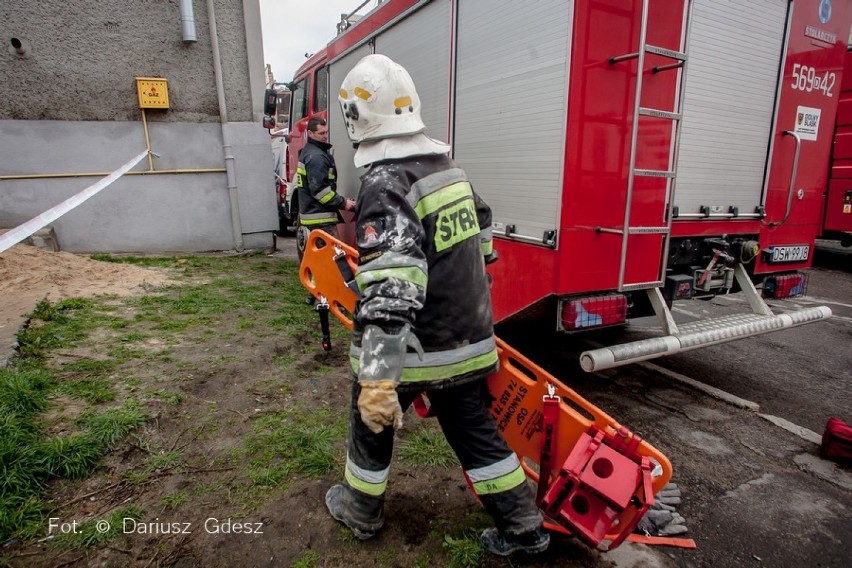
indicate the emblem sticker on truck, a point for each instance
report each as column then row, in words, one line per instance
column 807, row 122
column 794, row 253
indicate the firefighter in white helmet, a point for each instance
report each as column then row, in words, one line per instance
column 424, row 322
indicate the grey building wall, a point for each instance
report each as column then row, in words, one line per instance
column 69, row 108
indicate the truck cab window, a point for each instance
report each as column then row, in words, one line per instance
column 300, row 101
column 321, row 86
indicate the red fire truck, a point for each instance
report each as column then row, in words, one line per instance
column 838, row 205
column 634, row 152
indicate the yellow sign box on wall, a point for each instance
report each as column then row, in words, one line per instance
column 153, row 92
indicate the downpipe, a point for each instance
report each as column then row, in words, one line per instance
column 233, row 193
column 187, row 22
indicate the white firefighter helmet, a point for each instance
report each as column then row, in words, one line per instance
column 379, row 100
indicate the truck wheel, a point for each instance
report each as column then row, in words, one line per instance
column 283, row 222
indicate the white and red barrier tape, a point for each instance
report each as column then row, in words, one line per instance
column 21, row 232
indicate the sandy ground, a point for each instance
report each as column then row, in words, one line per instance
column 29, row 274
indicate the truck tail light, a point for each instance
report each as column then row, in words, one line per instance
column 785, row 285
column 593, row 311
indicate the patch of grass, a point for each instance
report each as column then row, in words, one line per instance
column 111, row 425
column 164, row 461
column 252, row 295
column 385, row 556
column 346, row 535
column 222, row 359
column 89, row 367
column 187, row 261
column 71, row 456
column 158, row 462
column 57, row 325
column 93, row 391
column 30, row 460
column 281, row 446
column 23, row 393
column 124, row 354
column 83, row 380
column 308, row 559
column 174, row 500
column 300, row 317
column 133, row 337
column 293, row 442
column 206, row 487
column 424, row 561
column 170, row 397
column 118, row 323
column 427, row 447
column 178, row 325
column 285, row 362
column 464, row 552
column 275, row 386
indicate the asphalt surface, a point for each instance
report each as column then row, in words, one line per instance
column 755, row 491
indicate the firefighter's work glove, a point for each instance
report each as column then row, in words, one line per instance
column 662, row 519
column 379, row 406
column 379, row 371
column 669, row 495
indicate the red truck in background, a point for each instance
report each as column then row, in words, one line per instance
column 635, row 153
column 837, row 224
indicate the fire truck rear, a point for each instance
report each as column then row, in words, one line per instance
column 633, row 153
column 838, row 204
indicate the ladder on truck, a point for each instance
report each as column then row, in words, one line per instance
column 678, row 64
column 683, row 337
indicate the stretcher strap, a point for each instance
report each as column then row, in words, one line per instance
column 346, row 272
column 322, row 310
column 632, row 537
column 662, row 541
column 550, row 428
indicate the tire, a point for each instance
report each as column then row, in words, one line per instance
column 302, row 233
column 286, row 225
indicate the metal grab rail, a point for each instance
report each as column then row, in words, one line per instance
column 798, row 140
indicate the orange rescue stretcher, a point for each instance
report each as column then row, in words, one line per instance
column 600, row 477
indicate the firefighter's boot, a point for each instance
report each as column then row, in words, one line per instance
column 363, row 514
column 504, row 544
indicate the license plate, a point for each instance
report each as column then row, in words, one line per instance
column 795, row 253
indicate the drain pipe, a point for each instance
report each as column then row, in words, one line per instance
column 187, row 21
column 233, row 194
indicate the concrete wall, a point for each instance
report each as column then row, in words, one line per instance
column 68, row 105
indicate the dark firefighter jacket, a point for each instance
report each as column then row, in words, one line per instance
column 422, row 234
column 316, row 182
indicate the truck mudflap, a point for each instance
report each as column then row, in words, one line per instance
column 685, row 337
column 601, row 477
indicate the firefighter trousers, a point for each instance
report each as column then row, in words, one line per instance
column 493, row 470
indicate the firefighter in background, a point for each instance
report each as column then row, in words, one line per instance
column 316, row 182
column 424, row 238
